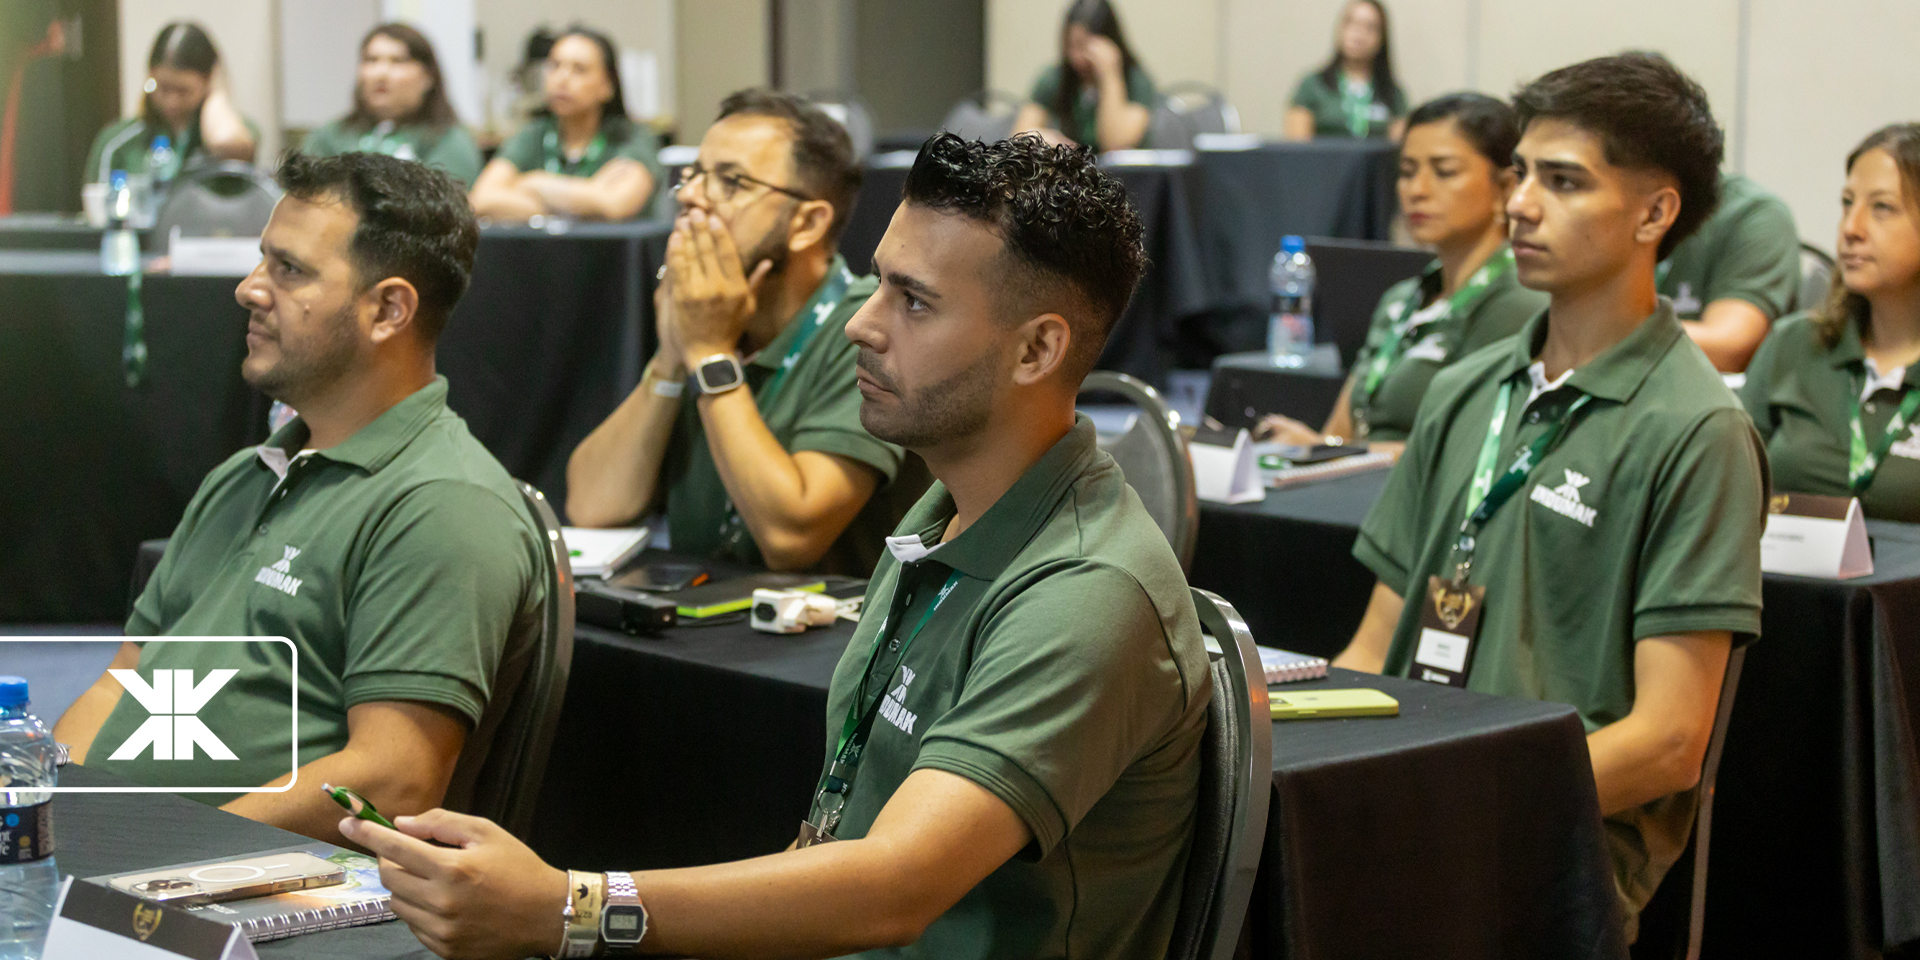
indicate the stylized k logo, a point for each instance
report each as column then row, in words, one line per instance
column 286, row 563
column 173, row 700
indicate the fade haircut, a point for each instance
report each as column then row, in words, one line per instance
column 1648, row 115
column 822, row 150
column 1061, row 220
column 415, row 224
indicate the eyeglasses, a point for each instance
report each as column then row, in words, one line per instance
column 722, row 187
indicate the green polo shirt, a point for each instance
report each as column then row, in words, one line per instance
column 1065, row 674
column 1748, row 250
column 1645, row 521
column 1330, row 114
column 1084, row 125
column 1801, row 391
column 451, row 148
column 401, row 564
column 537, row 147
column 1430, row 344
column 817, row 407
column 128, row 145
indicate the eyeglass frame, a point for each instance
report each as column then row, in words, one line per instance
column 694, row 171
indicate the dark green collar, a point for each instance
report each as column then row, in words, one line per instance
column 775, row 352
column 376, row 444
column 986, row 548
column 1617, row 373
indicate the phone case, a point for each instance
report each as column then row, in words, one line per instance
column 1316, row 704
column 232, row 879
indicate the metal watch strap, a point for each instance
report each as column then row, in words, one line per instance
column 620, row 891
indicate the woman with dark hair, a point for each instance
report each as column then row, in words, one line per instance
column 400, row 108
column 580, row 156
column 186, row 101
column 1097, row 94
column 1836, row 391
column 1455, row 174
column 1355, row 94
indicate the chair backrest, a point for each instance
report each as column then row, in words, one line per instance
column 1236, row 783
column 1187, row 109
column 1816, row 273
column 499, row 772
column 1152, row 455
column 987, row 115
column 852, row 114
column 216, row 199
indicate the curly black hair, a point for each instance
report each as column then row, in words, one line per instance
column 1647, row 114
column 1060, row 217
column 415, row 224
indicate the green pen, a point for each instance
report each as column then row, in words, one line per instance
column 356, row 804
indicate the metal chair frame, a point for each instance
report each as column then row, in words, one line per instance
column 1161, row 419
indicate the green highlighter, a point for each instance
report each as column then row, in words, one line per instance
column 356, row 804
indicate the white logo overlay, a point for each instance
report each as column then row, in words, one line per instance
column 1909, row 446
column 175, row 700
column 280, row 575
column 1565, row 498
column 894, row 707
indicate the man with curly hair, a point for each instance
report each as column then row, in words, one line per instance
column 1013, row 759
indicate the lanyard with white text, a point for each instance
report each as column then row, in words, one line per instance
column 1459, row 304
column 550, row 147
column 1486, row 495
column 854, row 731
column 1356, row 101
column 1862, row 464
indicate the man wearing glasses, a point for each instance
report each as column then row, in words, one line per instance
column 746, row 425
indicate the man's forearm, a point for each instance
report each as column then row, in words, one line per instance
column 306, row 810
column 761, row 477
column 614, row 473
column 509, row 201
column 1728, row 332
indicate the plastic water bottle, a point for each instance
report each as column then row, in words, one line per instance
column 160, row 173
column 119, row 247
column 29, row 880
column 1290, row 326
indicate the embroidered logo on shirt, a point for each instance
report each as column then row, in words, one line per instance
column 1684, row 302
column 280, row 575
column 1432, row 347
column 1910, row 447
column 894, row 707
column 1565, row 498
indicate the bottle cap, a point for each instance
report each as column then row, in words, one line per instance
column 163, row 142
column 1292, row 243
column 13, row 692
column 118, row 180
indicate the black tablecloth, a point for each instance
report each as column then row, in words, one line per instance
column 101, row 833
column 47, row 231
column 1816, row 840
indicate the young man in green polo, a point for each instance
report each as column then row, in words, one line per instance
column 1577, row 515
column 1012, row 767
column 746, row 428
column 1736, row 275
column 372, row 532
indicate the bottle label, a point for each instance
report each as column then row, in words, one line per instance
column 26, row 834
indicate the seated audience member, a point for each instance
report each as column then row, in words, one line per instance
column 1730, row 281
column 400, row 108
column 372, row 531
column 581, row 156
column 1835, row 390
column 760, row 458
column 1455, row 173
column 1577, row 516
column 1097, row 94
column 1029, row 611
column 186, row 101
column 1355, row 94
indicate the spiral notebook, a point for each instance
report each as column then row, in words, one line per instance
column 358, row 900
column 1285, row 666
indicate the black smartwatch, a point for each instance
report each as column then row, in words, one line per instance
column 623, row 920
column 719, row 373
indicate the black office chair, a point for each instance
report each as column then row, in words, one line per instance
column 1152, row 455
column 1816, row 276
column 224, row 198
column 499, row 772
column 987, row 115
column 1236, row 783
column 1672, row 923
column 1186, row 110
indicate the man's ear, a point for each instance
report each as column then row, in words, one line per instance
column 1657, row 217
column 809, row 224
column 1045, row 342
column 396, row 304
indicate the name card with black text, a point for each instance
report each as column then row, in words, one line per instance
column 1814, row 536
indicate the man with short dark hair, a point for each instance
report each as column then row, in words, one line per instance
column 745, row 427
column 373, row 532
column 1577, row 516
column 1013, row 764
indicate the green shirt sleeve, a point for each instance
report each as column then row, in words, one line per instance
column 1046, row 87
column 1140, row 88
column 1390, row 537
column 457, row 154
column 325, row 140
column 446, row 576
column 1309, row 93
column 1073, row 681
column 523, row 148
column 1759, row 385
column 1760, row 262
column 1699, row 564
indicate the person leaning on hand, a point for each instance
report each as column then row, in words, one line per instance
column 1031, row 790
column 746, row 426
column 1455, row 174
column 1097, row 94
column 186, row 101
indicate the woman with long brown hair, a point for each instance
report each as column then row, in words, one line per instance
column 185, row 101
column 1097, row 94
column 400, row 108
column 1836, row 391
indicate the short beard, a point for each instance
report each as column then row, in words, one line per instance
column 321, row 362
column 771, row 248
column 951, row 409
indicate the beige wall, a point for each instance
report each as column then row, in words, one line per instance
column 244, row 33
column 720, row 46
column 633, row 24
column 1174, row 39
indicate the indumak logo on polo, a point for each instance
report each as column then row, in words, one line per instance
column 1565, row 498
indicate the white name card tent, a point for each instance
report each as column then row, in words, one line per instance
column 1815, row 536
column 212, row 256
column 91, row 922
column 1224, row 470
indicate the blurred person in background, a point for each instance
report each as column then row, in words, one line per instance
column 186, row 101
column 1355, row 94
column 1097, row 95
column 400, row 108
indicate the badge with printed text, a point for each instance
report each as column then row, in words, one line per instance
column 1449, row 622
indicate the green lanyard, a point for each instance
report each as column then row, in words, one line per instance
column 133, row 345
column 1862, row 465
column 1356, row 101
column 858, row 726
column 384, row 138
column 550, row 148
column 1459, row 305
column 1485, row 495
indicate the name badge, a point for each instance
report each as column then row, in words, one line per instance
column 92, row 921
column 1449, row 626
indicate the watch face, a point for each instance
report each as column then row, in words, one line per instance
column 718, row 374
column 623, row 923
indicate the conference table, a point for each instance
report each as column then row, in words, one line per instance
column 1816, row 828
column 1473, row 816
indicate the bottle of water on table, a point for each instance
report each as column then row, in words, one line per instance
column 29, row 880
column 162, row 165
column 1290, row 326
column 119, row 247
